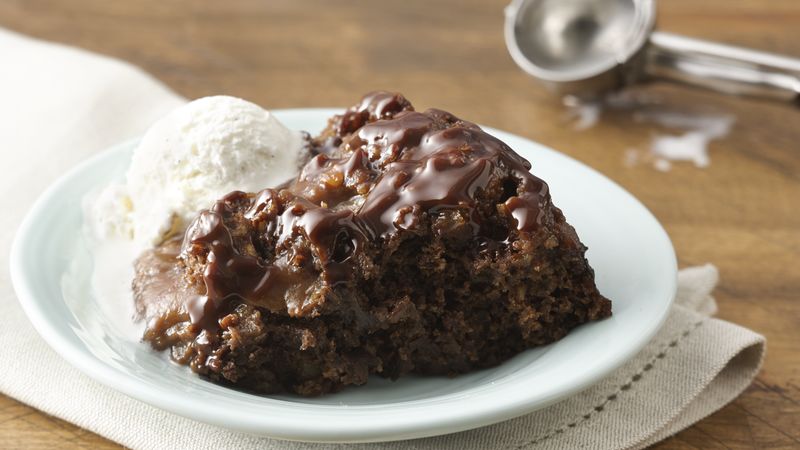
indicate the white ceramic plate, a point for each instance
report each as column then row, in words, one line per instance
column 630, row 252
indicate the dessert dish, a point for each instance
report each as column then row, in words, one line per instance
column 410, row 242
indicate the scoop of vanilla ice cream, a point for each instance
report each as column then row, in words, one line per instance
column 200, row 152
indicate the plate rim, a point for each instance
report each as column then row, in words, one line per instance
column 398, row 428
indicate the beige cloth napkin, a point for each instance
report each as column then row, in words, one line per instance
column 59, row 105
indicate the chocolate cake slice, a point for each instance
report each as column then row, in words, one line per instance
column 412, row 242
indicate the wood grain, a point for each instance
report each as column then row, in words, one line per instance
column 742, row 213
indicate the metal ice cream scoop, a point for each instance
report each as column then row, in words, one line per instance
column 589, row 47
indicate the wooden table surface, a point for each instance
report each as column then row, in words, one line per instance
column 742, row 213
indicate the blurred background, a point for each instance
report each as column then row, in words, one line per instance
column 740, row 213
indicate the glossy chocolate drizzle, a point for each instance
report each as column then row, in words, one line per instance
column 381, row 168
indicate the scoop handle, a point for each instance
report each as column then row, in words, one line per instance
column 723, row 68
